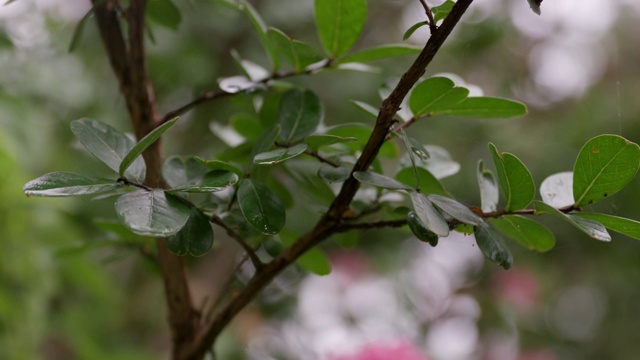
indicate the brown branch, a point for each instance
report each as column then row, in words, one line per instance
column 235, row 236
column 432, row 22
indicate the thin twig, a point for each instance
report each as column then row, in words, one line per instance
column 314, row 154
column 432, row 22
column 247, row 248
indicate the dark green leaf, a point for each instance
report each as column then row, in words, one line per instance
column 380, row 180
column 493, row 246
column 605, row 165
column 77, row 33
column 68, row 184
column 590, row 227
column 260, row 207
column 143, row 144
column 557, row 189
column 340, row 23
column 428, row 214
column 306, row 177
column 535, row 5
column 299, row 115
column 332, row 174
column 177, row 170
column 420, row 231
column 266, row 141
column 413, row 28
column 195, row 237
column 436, row 95
column 527, row 232
column 317, row 141
column 455, row 209
column 485, row 107
column 379, row 52
column 428, row 183
column 315, row 261
column 366, row 108
column 212, row 181
column 152, row 213
column 297, row 53
column 108, row 145
column 489, row 193
column 628, row 227
column 164, row 12
column 279, row 155
column 514, row 179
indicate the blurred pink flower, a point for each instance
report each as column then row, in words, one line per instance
column 519, row 287
column 401, row 350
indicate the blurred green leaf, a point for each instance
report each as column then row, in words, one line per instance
column 279, row 155
column 247, row 125
column 455, row 209
column 178, row 170
column 318, row 141
column 361, row 132
column 315, row 261
column 440, row 12
column 366, row 108
column 77, row 33
column 299, row 115
column 557, row 189
column 261, row 28
column 68, row 184
column 590, row 227
column 143, row 144
column 440, row 163
column 332, row 174
column 436, row 95
column 379, row 53
column 485, row 107
column 380, row 180
column 428, row 184
column 260, row 207
column 212, row 181
column 164, row 12
column 489, row 193
column 340, row 23
column 420, row 231
column 514, row 179
column 407, row 34
column 493, row 246
column 605, row 165
column 628, row 227
column 219, row 165
column 428, row 214
column 266, row 141
column 195, row 238
column 108, row 145
column 527, row 232
column 297, row 53
column 152, row 213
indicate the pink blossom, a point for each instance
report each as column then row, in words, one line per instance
column 401, row 350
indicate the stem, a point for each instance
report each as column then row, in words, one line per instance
column 248, row 249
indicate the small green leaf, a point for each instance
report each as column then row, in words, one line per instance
column 340, row 23
column 260, row 207
column 455, row 209
column 514, row 179
column 164, row 12
column 413, row 28
column 361, row 132
column 315, row 261
column 489, row 193
column 366, row 108
column 212, row 181
column 590, row 227
column 380, row 180
column 485, row 107
column 332, row 174
column 219, row 165
column 299, row 115
column 318, row 141
column 152, row 213
column 306, row 177
column 428, row 214
column 379, row 53
column 628, row 227
column 557, row 189
column 605, row 165
column 297, row 53
column 428, row 184
column 77, row 33
column 279, row 155
column 143, row 144
column 177, row 170
column 436, row 95
column 108, row 145
column 527, row 232
column 195, row 237
column 247, row 125
column 493, row 246
column 418, row 149
column 440, row 12
column 420, row 231
column 266, row 141
column 68, row 184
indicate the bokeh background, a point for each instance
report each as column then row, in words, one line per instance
column 71, row 290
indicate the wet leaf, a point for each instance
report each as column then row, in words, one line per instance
column 420, row 231
column 260, row 207
column 590, row 227
column 211, row 181
column 195, row 238
column 428, row 214
column 299, row 114
column 68, row 184
column 178, row 170
column 493, row 245
column 279, row 155
column 628, row 227
column 152, row 213
column 455, row 209
column 143, row 144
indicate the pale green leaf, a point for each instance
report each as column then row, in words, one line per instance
column 527, row 232
column 628, row 227
column 489, row 193
column 590, row 227
column 143, row 144
column 379, row 53
column 380, row 180
column 455, row 209
column 68, row 184
column 428, row 214
column 152, row 213
column 279, row 155
column 340, row 23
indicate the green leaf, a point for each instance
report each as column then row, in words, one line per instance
column 428, row 214
column 164, row 12
column 366, row 108
column 261, row 28
column 514, row 179
column 485, row 107
column 605, row 165
column 420, row 231
column 68, row 184
column 266, row 141
column 219, row 165
column 492, row 244
column 379, row 53
column 306, row 177
column 299, row 115
column 628, row 227
column 361, row 132
column 428, row 184
column 440, row 12
column 315, row 261
column 557, row 189
column 318, row 141
column 195, row 237
column 417, row 148
column 435, row 95
column 143, row 144
column 489, row 193
column 77, row 33
column 413, row 28
column 332, row 174
column 527, row 232
column 108, row 145
column 177, row 170
column 279, row 155
column 590, row 227
column 380, row 180
column 152, row 213
column 260, row 207
column 455, row 209
column 247, row 125
column 212, row 181
column 340, row 23
column 297, row 53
